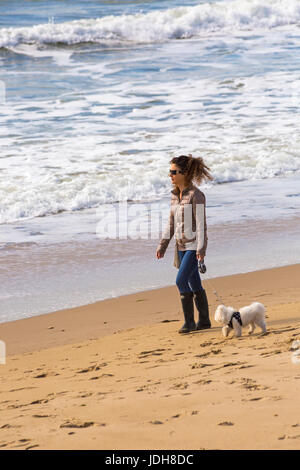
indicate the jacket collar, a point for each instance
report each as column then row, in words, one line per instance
column 186, row 190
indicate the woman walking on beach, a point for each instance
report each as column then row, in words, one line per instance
column 187, row 221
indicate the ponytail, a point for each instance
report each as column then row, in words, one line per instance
column 194, row 168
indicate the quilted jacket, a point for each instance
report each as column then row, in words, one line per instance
column 187, row 221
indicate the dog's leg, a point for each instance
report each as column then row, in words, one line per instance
column 251, row 328
column 225, row 331
column 237, row 329
column 261, row 323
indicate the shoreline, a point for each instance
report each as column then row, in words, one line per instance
column 39, row 279
column 110, row 316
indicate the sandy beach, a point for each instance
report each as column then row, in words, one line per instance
column 98, row 99
column 117, row 375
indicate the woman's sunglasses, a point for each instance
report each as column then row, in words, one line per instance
column 174, row 172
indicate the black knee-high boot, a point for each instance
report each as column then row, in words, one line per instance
column 202, row 307
column 188, row 312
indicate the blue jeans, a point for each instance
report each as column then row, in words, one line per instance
column 188, row 278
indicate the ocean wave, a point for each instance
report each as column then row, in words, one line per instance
column 159, row 26
column 28, row 204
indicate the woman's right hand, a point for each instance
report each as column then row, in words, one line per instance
column 159, row 254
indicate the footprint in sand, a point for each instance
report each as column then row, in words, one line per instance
column 208, row 353
column 232, row 364
column 77, row 424
column 207, row 343
column 142, row 389
column 200, row 365
column 202, row 382
column 203, row 355
column 8, row 426
column 153, row 352
column 180, row 386
column 22, row 388
column 92, row 368
column 43, row 416
column 4, row 444
column 38, row 402
column 284, row 436
column 271, row 353
column 22, row 442
column 251, row 384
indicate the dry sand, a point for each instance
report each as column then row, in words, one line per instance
column 117, row 375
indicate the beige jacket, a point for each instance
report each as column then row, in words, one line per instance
column 187, row 221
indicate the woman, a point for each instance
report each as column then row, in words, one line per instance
column 187, row 221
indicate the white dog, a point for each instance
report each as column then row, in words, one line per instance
column 251, row 315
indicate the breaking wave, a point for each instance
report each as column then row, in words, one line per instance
column 160, row 26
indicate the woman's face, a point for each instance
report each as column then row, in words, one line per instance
column 177, row 179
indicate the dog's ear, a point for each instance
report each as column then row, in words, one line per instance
column 220, row 308
column 219, row 314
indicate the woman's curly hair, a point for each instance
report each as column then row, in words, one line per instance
column 193, row 168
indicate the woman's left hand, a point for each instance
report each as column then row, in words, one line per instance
column 200, row 257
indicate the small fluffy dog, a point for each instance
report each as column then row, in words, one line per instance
column 251, row 315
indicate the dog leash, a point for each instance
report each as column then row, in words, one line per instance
column 215, row 292
column 202, row 269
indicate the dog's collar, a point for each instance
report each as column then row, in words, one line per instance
column 237, row 316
